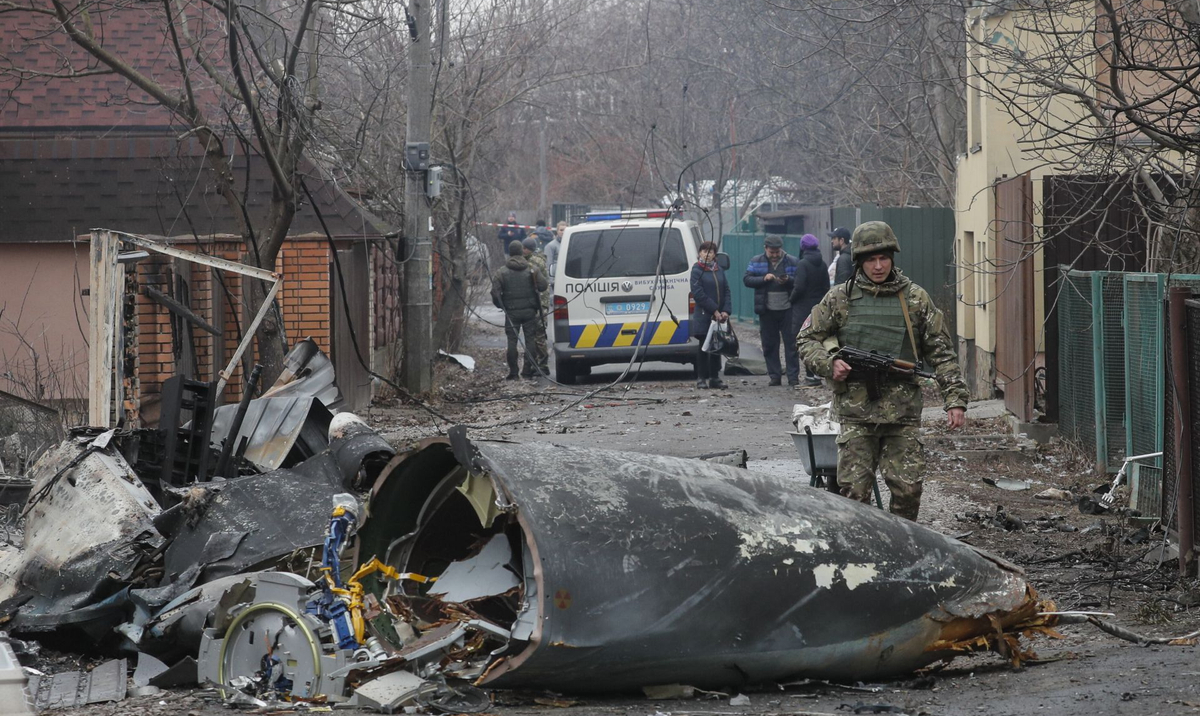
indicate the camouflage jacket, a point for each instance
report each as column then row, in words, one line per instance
column 537, row 261
column 900, row 401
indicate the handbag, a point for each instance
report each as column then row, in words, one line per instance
column 724, row 341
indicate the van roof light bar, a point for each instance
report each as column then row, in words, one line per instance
column 631, row 214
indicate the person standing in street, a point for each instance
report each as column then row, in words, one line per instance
column 551, row 250
column 542, row 234
column 509, row 232
column 537, row 262
column 880, row 309
column 811, row 285
column 771, row 275
column 710, row 291
column 842, row 267
column 516, row 290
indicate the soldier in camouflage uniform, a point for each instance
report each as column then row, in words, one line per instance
column 537, row 260
column 867, row 313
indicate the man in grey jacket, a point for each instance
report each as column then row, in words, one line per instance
column 517, row 289
column 552, row 248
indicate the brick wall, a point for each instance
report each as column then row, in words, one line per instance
column 303, row 299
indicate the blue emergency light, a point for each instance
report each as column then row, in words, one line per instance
column 631, row 214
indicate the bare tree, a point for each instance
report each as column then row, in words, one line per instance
column 242, row 78
column 1106, row 92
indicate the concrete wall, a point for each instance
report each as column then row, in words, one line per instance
column 997, row 148
column 43, row 320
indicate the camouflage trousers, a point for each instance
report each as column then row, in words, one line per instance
column 892, row 449
column 542, row 348
column 513, row 328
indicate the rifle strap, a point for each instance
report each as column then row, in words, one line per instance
column 908, row 322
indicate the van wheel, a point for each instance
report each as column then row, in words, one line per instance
column 565, row 371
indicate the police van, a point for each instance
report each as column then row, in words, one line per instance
column 622, row 289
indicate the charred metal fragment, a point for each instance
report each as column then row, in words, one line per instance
column 635, row 570
column 362, row 453
column 249, row 522
column 77, row 688
column 61, row 568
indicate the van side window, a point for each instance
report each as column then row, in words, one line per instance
column 624, row 252
column 696, row 238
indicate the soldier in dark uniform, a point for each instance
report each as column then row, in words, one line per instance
column 882, row 310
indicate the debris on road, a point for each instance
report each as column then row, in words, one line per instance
column 78, row 688
column 281, row 553
column 13, row 701
column 1008, row 483
column 1054, row 493
column 641, row 560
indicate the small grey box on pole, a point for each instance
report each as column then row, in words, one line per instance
column 417, row 368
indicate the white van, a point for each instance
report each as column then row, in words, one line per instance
column 621, row 289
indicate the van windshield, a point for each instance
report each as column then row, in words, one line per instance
column 624, row 252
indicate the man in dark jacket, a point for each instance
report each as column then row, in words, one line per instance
column 812, row 281
column 509, row 232
column 771, row 274
column 517, row 289
column 843, row 265
column 543, row 235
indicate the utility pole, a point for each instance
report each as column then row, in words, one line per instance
column 545, row 178
column 417, row 368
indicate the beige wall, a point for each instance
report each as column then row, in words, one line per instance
column 997, row 149
column 43, row 320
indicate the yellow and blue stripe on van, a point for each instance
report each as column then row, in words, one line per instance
column 618, row 335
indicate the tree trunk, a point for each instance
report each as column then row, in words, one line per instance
column 448, row 329
column 270, row 343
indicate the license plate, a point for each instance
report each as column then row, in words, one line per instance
column 626, row 308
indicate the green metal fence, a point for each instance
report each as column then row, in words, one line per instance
column 1112, row 370
column 1076, row 379
column 926, row 252
column 741, row 248
column 1144, row 384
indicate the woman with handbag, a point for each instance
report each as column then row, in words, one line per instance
column 710, row 292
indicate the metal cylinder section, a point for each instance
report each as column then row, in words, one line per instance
column 642, row 569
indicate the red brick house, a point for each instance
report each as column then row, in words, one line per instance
column 89, row 153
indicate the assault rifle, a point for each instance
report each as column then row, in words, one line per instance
column 873, row 367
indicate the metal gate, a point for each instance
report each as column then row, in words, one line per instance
column 352, row 377
column 1016, row 346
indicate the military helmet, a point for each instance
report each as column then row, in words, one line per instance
column 872, row 237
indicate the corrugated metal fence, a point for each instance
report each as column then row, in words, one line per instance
column 926, row 252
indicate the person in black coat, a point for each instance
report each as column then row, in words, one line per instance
column 811, row 283
column 839, row 238
column 509, row 232
column 710, row 291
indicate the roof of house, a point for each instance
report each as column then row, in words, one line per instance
column 95, row 151
column 98, row 100
column 57, row 188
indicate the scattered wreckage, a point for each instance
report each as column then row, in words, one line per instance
column 471, row 563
